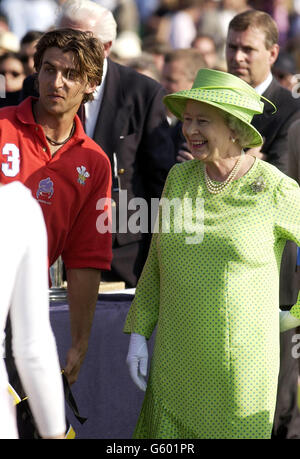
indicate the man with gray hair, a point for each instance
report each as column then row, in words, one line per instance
column 83, row 14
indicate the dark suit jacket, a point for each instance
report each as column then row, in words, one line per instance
column 132, row 124
column 29, row 87
column 179, row 141
column 274, row 128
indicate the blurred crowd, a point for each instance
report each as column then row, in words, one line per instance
column 147, row 31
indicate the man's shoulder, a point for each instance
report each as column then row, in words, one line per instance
column 282, row 97
column 131, row 79
column 294, row 129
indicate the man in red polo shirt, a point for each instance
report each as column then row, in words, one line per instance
column 43, row 145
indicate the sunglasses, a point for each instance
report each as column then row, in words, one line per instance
column 10, row 72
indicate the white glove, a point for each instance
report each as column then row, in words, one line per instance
column 137, row 360
column 287, row 321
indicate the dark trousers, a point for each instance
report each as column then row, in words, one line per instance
column 287, row 415
column 127, row 263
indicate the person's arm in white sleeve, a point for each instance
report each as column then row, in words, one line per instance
column 33, row 342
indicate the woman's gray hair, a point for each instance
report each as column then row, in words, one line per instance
column 242, row 131
column 74, row 11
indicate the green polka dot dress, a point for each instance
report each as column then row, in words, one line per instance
column 215, row 303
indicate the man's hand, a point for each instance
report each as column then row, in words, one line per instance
column 74, row 360
column 83, row 286
column 184, row 154
column 256, row 151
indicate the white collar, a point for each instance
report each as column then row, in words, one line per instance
column 92, row 108
column 99, row 89
column 260, row 89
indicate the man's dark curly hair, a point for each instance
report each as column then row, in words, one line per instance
column 88, row 51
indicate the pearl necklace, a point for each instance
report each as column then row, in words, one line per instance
column 216, row 188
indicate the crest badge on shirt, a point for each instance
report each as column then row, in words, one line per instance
column 83, row 174
column 45, row 190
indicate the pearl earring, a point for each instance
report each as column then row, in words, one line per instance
column 233, row 139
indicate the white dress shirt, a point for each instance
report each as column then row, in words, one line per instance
column 92, row 108
column 260, row 89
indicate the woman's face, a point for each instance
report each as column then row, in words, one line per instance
column 208, row 136
column 13, row 71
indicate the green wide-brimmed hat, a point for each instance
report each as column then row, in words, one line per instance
column 224, row 91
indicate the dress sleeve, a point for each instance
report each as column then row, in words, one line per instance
column 33, row 342
column 287, row 210
column 143, row 314
column 287, row 219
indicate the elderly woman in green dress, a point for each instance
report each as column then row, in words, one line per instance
column 214, row 300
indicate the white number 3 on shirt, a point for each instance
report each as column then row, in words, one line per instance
column 11, row 167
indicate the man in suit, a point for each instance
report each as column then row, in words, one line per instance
column 251, row 50
column 127, row 119
column 178, row 73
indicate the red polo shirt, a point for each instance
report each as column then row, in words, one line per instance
column 67, row 185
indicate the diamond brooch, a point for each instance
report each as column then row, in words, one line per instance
column 258, row 185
